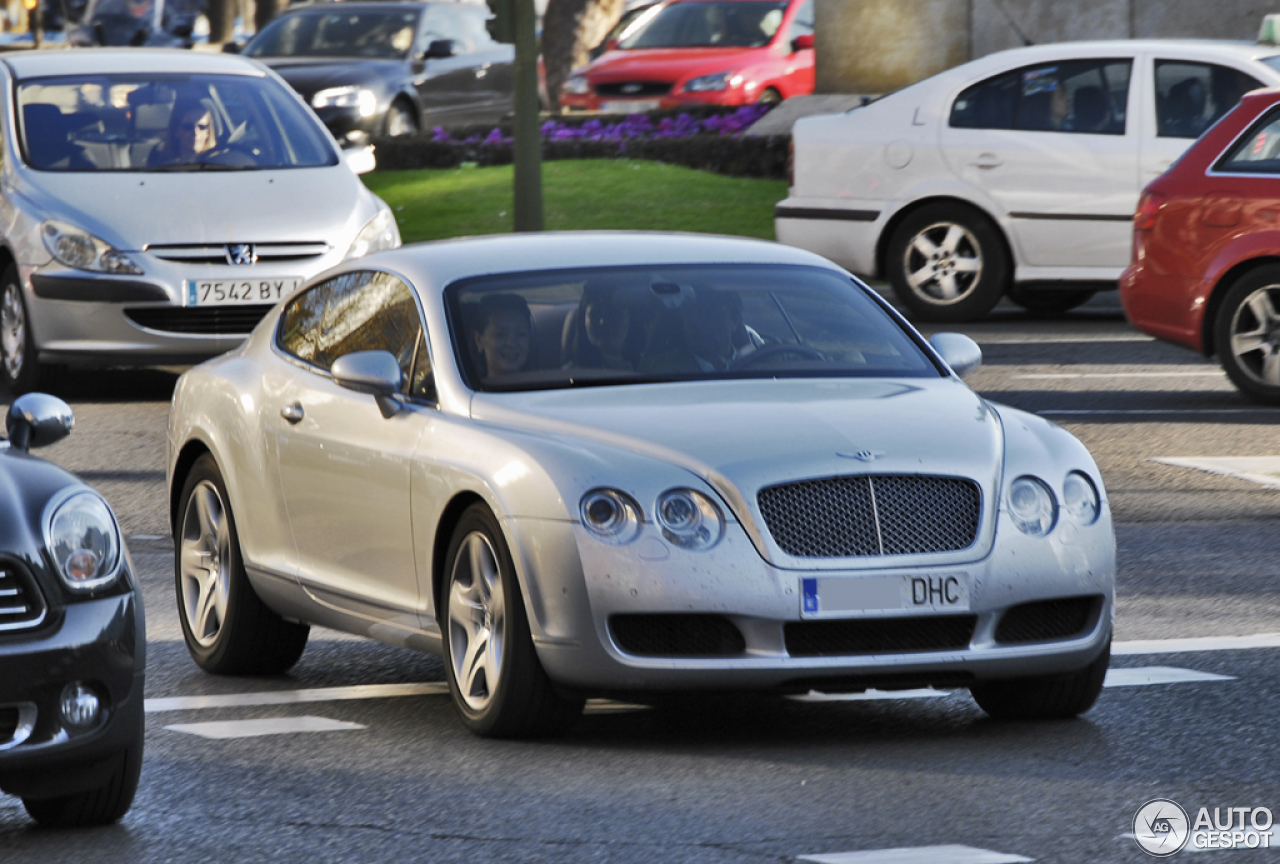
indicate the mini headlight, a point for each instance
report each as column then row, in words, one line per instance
column 84, row 541
column 704, row 83
column 610, row 515
column 576, row 85
column 79, row 249
column 1032, row 506
column 363, row 100
column 689, row 519
column 1080, row 498
column 381, row 233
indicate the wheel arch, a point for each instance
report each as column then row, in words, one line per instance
column 449, row 519
column 1220, row 289
column 903, row 213
column 410, row 101
column 187, row 457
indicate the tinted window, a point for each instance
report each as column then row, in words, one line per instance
column 1190, row 97
column 351, row 32
column 1089, row 96
column 1257, row 151
column 710, row 24
column 989, row 104
column 361, row 311
column 802, row 24
column 632, row 325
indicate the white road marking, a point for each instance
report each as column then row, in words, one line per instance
column 1146, row 675
column 1217, row 373
column 870, row 695
column 608, row 706
column 1263, row 470
column 226, row 729
column 144, row 538
column 294, row 697
column 1152, row 411
column 1199, row 643
column 919, row 855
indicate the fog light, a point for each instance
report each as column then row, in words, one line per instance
column 80, row 705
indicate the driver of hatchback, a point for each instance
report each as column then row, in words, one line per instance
column 191, row 134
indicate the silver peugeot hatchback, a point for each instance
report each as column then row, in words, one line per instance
column 154, row 205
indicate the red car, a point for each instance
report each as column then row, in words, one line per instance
column 720, row 52
column 1205, row 271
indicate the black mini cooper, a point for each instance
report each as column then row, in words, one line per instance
column 72, row 637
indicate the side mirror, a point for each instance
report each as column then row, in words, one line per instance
column 800, row 43
column 439, row 48
column 958, row 351
column 232, row 48
column 37, row 420
column 360, row 159
column 374, row 372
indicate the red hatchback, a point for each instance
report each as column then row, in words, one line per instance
column 1206, row 248
column 720, row 52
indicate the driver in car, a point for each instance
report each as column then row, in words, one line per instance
column 191, row 133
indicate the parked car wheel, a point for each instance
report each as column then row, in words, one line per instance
column 1247, row 334
column 101, row 806
column 770, row 96
column 401, row 120
column 1044, row 697
column 19, row 369
column 1049, row 302
column 227, row 628
column 947, row 262
column 497, row 683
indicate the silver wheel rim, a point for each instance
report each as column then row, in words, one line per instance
column 477, row 621
column 13, row 332
column 1255, row 337
column 943, row 263
column 400, row 123
column 205, row 559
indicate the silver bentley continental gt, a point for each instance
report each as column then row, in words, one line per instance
column 577, row 464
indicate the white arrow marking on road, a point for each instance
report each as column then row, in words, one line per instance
column 294, row 697
column 919, row 855
column 1143, row 676
column 226, row 729
column 870, row 695
column 1218, row 373
column 1263, row 470
column 1198, row 643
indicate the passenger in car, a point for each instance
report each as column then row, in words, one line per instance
column 191, row 133
column 501, row 333
column 599, row 334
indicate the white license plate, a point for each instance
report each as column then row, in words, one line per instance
column 629, row 106
column 230, row 292
column 824, row 596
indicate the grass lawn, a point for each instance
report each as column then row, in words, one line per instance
column 589, row 193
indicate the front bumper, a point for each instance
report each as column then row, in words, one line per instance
column 100, row 642
column 593, row 102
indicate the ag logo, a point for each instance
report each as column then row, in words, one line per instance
column 1161, row 827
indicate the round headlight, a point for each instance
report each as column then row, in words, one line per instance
column 84, row 540
column 689, row 519
column 610, row 515
column 1080, row 498
column 1032, row 506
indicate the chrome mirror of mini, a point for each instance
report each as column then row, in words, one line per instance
column 374, row 372
column 38, row 420
column 958, row 351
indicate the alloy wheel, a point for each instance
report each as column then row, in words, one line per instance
column 1255, row 336
column 943, row 263
column 206, row 564
column 400, row 122
column 477, row 621
column 13, row 332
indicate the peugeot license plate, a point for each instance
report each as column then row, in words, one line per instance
column 878, row 595
column 229, row 292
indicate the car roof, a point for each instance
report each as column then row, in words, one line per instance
column 106, row 61
column 378, row 5
column 1098, row 47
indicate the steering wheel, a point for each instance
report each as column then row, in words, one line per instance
column 768, row 352
column 234, row 155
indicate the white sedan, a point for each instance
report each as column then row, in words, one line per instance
column 1016, row 174
column 592, row 463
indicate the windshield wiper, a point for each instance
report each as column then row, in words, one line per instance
column 202, row 166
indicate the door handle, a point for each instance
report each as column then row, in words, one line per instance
column 293, row 413
column 987, row 161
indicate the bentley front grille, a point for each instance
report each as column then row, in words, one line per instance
column 677, row 635
column 879, row 635
column 872, row 514
column 204, row 321
column 22, row 606
column 1048, row 620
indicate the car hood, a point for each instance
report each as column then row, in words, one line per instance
column 309, row 75
column 299, row 204
column 741, row 436
column 667, row 64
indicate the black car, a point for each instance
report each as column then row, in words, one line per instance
column 390, row 68
column 137, row 23
column 72, row 636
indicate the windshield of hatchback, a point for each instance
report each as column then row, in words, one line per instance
column 630, row 325
column 151, row 123
column 709, row 24
column 351, row 32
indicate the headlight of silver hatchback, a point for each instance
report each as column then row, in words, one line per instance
column 689, row 519
column 84, row 541
column 73, row 247
column 610, row 515
column 1080, row 498
column 380, row 233
column 1032, row 506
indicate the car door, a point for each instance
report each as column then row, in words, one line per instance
column 1185, row 97
column 344, row 467
column 799, row 64
column 446, row 85
column 491, row 65
column 1052, row 147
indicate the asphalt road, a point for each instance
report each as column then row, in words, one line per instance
column 759, row 779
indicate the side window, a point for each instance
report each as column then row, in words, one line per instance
column 473, row 21
column 988, row 104
column 802, row 24
column 1190, row 97
column 442, row 23
column 299, row 330
column 1078, row 96
column 1258, row 151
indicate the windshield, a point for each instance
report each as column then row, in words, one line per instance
column 641, row 324
column 349, row 33
column 709, row 24
column 145, row 123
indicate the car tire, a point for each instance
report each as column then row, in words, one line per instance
column 401, row 120
column 1246, row 334
column 769, row 96
column 1044, row 697
column 227, row 628
column 948, row 263
column 486, row 636
column 1049, row 303
column 100, row 806
column 19, row 368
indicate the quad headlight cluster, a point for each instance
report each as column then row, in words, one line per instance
column 687, row 518
column 83, row 539
column 1035, row 509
